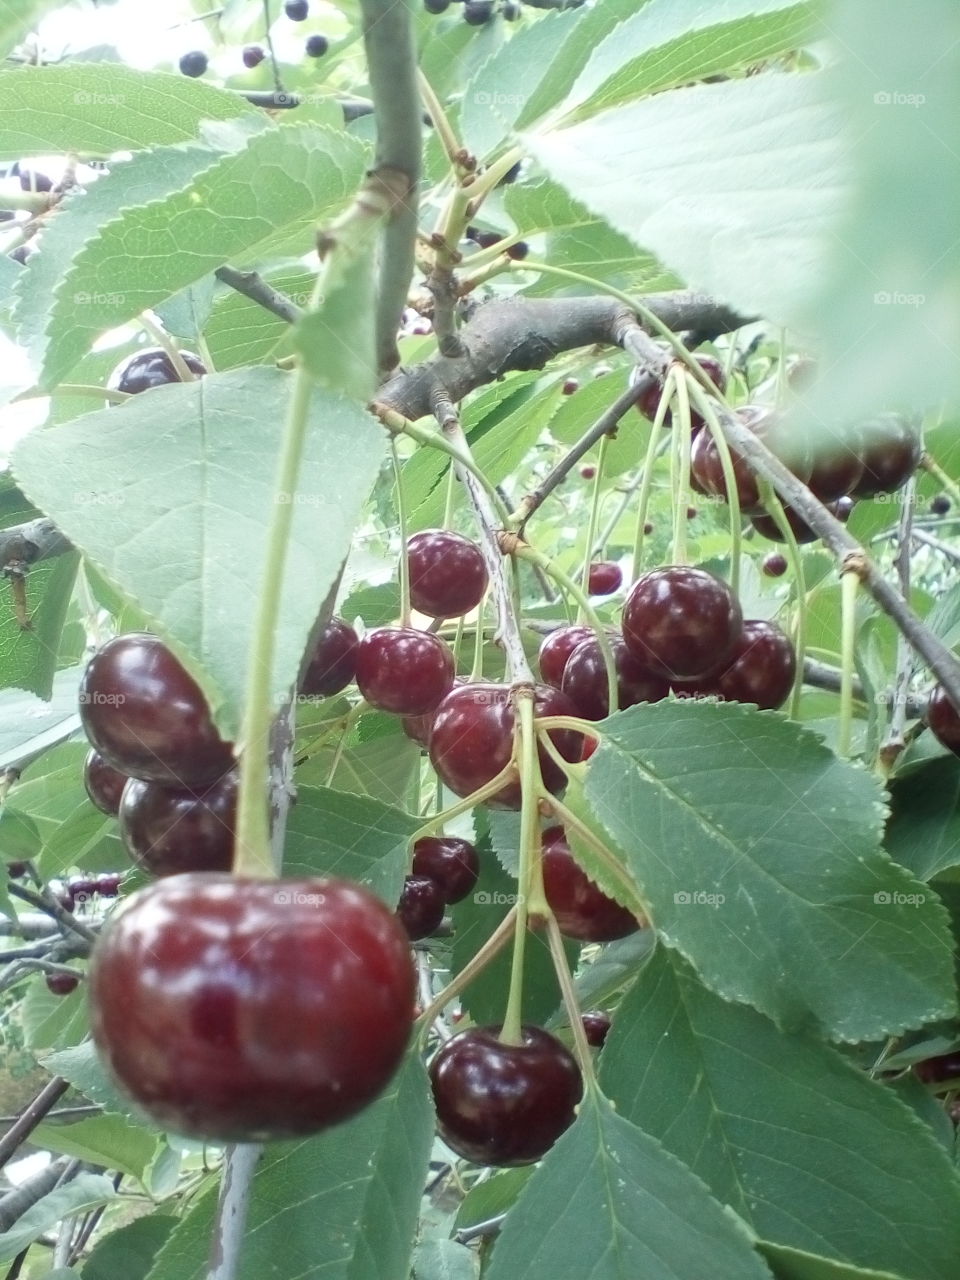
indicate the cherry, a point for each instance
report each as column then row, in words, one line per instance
column 842, row 508
column 436, row 6
column 151, row 367
column 556, row 649
column 891, row 454
column 252, row 55
column 939, row 504
column 510, row 11
column 17, row 870
column 583, row 911
column 147, row 716
column 316, row 46
column 761, row 669
column 247, row 1010
column 61, row 984
column 194, row 63
column 472, row 740
column 418, row 728
column 108, row 884
column 605, row 577
column 449, row 861
column 943, row 719
column 82, row 889
column 681, row 622
column 447, row 574
column 588, row 472
column 167, row 832
column 774, row 564
column 297, row 10
column 103, row 783
column 570, row 387
column 767, row 527
column 421, row 906
column 504, row 1104
column 333, row 664
column 596, row 1025
column 485, row 239
column 518, row 251
column 934, row 1070
column 650, row 400
column 403, row 671
column 477, row 12
column 837, row 467
column 585, row 679
column 706, row 467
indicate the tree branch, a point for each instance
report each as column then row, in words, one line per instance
column 255, row 288
column 231, row 1220
column 31, row 1116
column 29, row 543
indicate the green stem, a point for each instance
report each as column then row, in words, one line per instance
column 440, row 121
column 593, row 521
column 530, row 878
column 448, row 500
column 612, row 864
column 160, row 336
column 656, row 444
column 774, row 506
column 402, row 522
column 681, row 424
column 395, row 422
column 849, row 582
column 489, row 951
column 568, row 993
column 436, row 823
column 933, row 468
column 706, row 410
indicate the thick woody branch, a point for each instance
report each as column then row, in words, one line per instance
column 26, row 544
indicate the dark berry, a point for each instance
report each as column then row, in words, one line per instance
column 477, row 12
column 510, row 11
column 194, row 63
column 943, row 719
column 421, row 906
column 436, row 6
column 17, row 870
column 767, row 527
column 82, row 890
column 571, row 385
column 103, row 783
column 837, row 467
column 596, row 1025
column 605, row 578
column 585, row 679
column 108, row 884
column 471, row 740
column 248, row 1010
column 650, row 400
column 485, row 239
column 449, row 861
column 518, row 251
column 448, row 577
column 706, row 467
column 504, row 1104
column 148, row 717
column 774, row 564
column 167, row 832
column 252, row 55
column 316, row 46
column 935, row 1070
column 150, row 368
column 761, row 669
column 334, row 662
column 403, row 671
column 891, row 454
column 417, row 728
column 297, row 10
column 681, row 622
column 556, row 649
column 939, row 504
column 61, row 984
column 583, row 911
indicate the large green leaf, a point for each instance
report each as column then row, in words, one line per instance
column 97, row 109
column 85, row 1191
column 800, row 1143
column 171, row 495
column 924, row 828
column 130, row 1250
column 794, row 1264
column 28, row 655
column 107, row 1140
column 609, row 1203
column 758, row 852
column 242, row 332
column 340, row 1206
column 735, row 186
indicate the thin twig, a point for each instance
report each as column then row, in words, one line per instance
column 31, row 1116
column 938, row 545
column 254, row 287
column 895, row 741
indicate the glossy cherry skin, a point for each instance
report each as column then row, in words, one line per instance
column 837, row 467
column 252, row 55
column 891, row 454
column 648, row 402
column 605, row 578
column 936, row 1070
column 418, row 728
column 596, row 1025
column 585, row 679
column 333, row 664
column 503, row 1104
column 403, row 671
column 774, row 565
column 194, row 63
column 17, row 870
column 943, row 719
column 472, row 740
column 147, row 716
column 151, row 368
column 246, row 1010
column 108, row 884
column 167, row 832
column 297, row 10
column 450, row 862
column 680, row 622
column 767, row 527
column 104, row 784
column 421, row 906
column 762, row 668
column 61, row 984
column 706, row 467
column 447, row 574
column 556, row 649
column 583, row 911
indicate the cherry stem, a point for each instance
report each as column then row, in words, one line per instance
column 655, row 445
column 489, row 951
column 441, row 123
column 477, row 668
column 772, row 503
column 75, row 389
column 933, row 468
column 611, row 862
column 680, row 458
column 593, row 521
column 704, row 406
column 849, row 582
column 402, row 522
column 160, row 336
column 895, row 740
column 530, row 877
column 436, row 823
column 568, row 993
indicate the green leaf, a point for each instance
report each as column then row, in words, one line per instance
column 924, row 829
column 382, row 767
column 758, row 851
column 82, row 1067
column 793, row 1264
column 668, row 43
column 493, row 1196
column 445, row 1260
column 341, row 1206
column 335, row 833
column 130, row 1250
column 19, row 837
column 85, row 1191
column 660, row 172
column 800, row 1143
column 105, row 1140
column 97, row 109
column 629, row 1209
column 189, row 468
column 28, row 656
column 185, row 315
column 242, row 332
column 610, row 972
column 16, row 19
column 336, row 341
column 375, row 605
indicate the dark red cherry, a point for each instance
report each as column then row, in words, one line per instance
column 583, row 911
column 148, row 717
column 891, row 454
column 761, row 669
column 681, row 622
column 837, row 466
column 167, row 832
column 570, row 387
column 447, row 574
column 297, row 10
column 596, row 1025
column 421, row 906
column 767, row 527
column 706, row 467
column 151, row 368
column 252, row 55
column 605, row 578
column 943, row 719
column 193, row 64
column 504, row 1104
column 334, row 662
column 774, row 564
column 17, row 870
column 61, row 984
column 556, row 649
column 108, row 884
column 247, row 1010
column 418, row 728
column 585, row 679
column 472, row 740
column 403, row 671
column 449, row 861
column 935, row 1070
column 939, row 504
column 82, row 890
column 103, row 783
column 648, row 402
